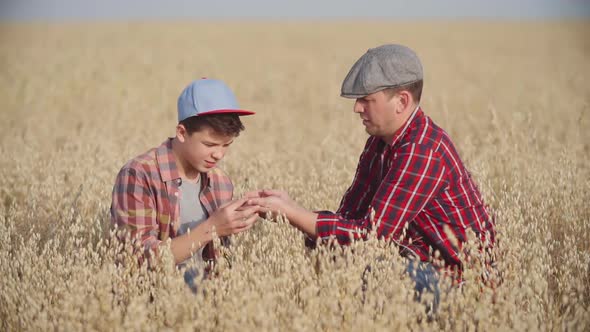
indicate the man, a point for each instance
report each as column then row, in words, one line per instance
column 410, row 185
column 176, row 191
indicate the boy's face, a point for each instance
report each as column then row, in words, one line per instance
column 202, row 150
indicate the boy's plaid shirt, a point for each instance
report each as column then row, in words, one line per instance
column 416, row 192
column 146, row 198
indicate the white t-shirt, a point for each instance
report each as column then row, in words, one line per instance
column 192, row 212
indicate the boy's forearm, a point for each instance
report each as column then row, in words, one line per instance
column 184, row 246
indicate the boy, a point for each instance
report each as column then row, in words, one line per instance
column 175, row 190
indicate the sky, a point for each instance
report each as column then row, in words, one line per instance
column 51, row 10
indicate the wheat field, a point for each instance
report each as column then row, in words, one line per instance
column 77, row 100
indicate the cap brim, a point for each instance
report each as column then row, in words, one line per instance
column 362, row 95
column 352, row 96
column 229, row 111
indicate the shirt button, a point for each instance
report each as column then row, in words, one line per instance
column 176, row 194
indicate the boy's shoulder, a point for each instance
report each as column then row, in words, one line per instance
column 219, row 178
column 220, row 185
column 144, row 163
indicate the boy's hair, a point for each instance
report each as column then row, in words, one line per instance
column 414, row 88
column 226, row 124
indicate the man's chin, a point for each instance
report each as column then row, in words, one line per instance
column 371, row 131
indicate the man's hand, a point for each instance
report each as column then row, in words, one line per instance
column 234, row 217
column 271, row 202
column 277, row 201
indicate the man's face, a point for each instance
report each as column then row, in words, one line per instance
column 378, row 113
column 202, row 149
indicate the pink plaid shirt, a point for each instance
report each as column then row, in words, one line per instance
column 146, row 198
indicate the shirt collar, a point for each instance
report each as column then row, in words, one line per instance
column 401, row 131
column 167, row 164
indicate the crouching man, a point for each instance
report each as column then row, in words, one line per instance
column 410, row 185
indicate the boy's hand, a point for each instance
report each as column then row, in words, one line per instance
column 234, row 217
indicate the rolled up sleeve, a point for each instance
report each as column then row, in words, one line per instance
column 415, row 176
column 133, row 211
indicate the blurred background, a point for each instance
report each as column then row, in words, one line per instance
column 269, row 9
column 87, row 85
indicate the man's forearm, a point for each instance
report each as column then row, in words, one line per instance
column 303, row 219
column 184, row 246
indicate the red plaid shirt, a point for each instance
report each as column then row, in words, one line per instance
column 146, row 198
column 414, row 192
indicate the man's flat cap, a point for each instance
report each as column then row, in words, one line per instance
column 380, row 68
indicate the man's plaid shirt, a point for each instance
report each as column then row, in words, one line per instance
column 415, row 192
column 146, row 198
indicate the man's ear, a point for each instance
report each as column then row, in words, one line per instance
column 181, row 133
column 404, row 100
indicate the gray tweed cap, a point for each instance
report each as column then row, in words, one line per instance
column 382, row 67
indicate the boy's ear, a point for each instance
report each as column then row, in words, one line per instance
column 181, row 133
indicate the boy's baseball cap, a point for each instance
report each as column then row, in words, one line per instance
column 382, row 67
column 207, row 96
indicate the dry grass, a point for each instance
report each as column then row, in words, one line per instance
column 78, row 100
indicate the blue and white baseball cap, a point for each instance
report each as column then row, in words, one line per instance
column 207, row 96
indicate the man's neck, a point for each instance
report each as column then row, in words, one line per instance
column 390, row 139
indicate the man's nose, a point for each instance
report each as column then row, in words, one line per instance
column 358, row 107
